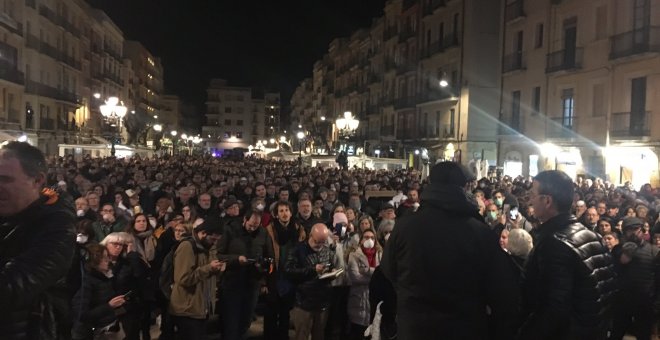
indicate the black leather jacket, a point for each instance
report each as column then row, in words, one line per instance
column 36, row 250
column 568, row 283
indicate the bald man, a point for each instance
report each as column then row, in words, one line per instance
column 304, row 265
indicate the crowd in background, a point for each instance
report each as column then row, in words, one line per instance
column 227, row 235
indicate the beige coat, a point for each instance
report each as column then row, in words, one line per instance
column 193, row 291
column 359, row 272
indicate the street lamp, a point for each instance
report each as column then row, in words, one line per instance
column 348, row 124
column 377, row 153
column 113, row 112
column 158, row 127
column 300, row 136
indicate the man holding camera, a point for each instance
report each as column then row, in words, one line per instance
column 249, row 254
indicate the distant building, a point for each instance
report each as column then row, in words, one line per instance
column 237, row 117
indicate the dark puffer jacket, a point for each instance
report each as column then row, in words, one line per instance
column 568, row 284
column 36, row 250
column 90, row 305
column 447, row 267
column 312, row 294
column 639, row 278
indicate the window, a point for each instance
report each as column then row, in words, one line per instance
column 598, row 103
column 536, row 100
column 538, row 39
column 239, row 122
column 228, row 122
column 239, row 134
column 567, row 107
column 239, row 109
column 228, row 109
column 601, row 22
column 452, row 118
column 515, row 110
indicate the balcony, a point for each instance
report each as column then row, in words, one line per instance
column 48, row 13
column 514, row 11
column 405, row 102
column 514, row 62
column 107, row 49
column 113, row 77
column 432, row 5
column 9, row 73
column 390, row 32
column 626, row 124
column 407, row 34
column 32, row 42
column 564, row 60
column 387, row 130
column 70, row 61
column 31, row 3
column 10, row 24
column 560, row 127
column 642, row 40
column 374, row 78
column 450, row 41
column 47, row 124
column 36, row 88
column 509, row 125
column 432, row 95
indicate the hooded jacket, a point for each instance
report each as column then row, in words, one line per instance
column 446, row 268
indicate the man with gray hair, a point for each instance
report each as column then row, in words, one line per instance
column 305, row 266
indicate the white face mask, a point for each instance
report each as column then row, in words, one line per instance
column 368, row 244
column 81, row 238
column 169, row 209
column 260, row 207
column 107, row 217
column 152, row 222
column 80, row 213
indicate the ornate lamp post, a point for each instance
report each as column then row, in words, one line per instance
column 113, row 111
column 347, row 124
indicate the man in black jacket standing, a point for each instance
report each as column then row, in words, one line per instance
column 246, row 251
column 37, row 242
column 568, row 278
column 639, row 271
column 447, row 267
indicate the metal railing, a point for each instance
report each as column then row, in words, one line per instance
column 567, row 59
column 642, row 40
column 513, row 62
column 405, row 102
column 514, row 10
column 450, row 41
column 10, row 73
column 387, row 130
column 627, row 124
column 561, row 127
column 46, row 124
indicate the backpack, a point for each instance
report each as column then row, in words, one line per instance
column 166, row 279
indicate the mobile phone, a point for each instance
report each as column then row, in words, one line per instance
column 514, row 213
column 251, row 260
column 129, row 296
column 338, row 228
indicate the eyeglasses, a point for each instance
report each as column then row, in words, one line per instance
column 185, row 210
column 116, row 244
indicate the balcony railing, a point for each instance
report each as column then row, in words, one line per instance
column 405, row 68
column 642, row 40
column 387, row 130
column 406, row 34
column 31, row 3
column 513, row 62
column 437, row 94
column 113, row 77
column 390, row 32
column 561, row 127
column 39, row 89
column 569, row 59
column 405, row 102
column 48, row 13
column 47, row 124
column 432, row 5
column 514, row 10
column 626, row 124
column 107, row 49
column 450, row 41
column 10, row 24
column 9, row 72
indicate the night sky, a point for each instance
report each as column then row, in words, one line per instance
column 269, row 44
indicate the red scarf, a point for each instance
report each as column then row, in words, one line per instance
column 371, row 256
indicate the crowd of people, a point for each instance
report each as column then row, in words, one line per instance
column 331, row 253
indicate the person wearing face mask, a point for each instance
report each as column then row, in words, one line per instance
column 84, row 237
column 83, row 211
column 248, row 252
column 259, row 204
column 362, row 262
column 108, row 224
column 445, row 293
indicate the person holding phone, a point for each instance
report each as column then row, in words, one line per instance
column 241, row 249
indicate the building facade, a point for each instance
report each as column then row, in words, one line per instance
column 579, row 84
column 237, row 117
column 389, row 77
column 60, row 60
